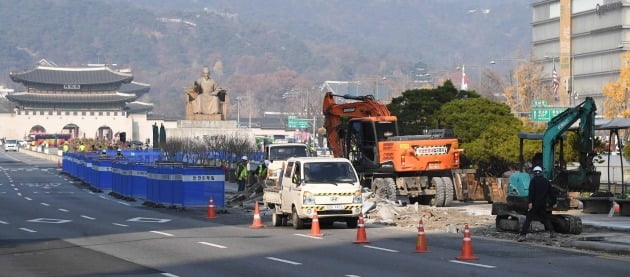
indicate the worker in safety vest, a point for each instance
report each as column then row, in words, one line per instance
column 242, row 173
column 103, row 153
column 82, row 147
column 261, row 171
column 66, row 147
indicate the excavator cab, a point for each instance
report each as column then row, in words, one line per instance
column 362, row 140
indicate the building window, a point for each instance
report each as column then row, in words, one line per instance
column 58, row 113
column 41, row 112
column 67, row 113
column 100, row 113
column 107, row 113
column 50, row 112
column 75, row 113
column 115, row 113
column 91, row 113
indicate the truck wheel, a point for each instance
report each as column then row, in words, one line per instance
column 438, row 198
column 352, row 223
column 297, row 222
column 448, row 191
column 276, row 219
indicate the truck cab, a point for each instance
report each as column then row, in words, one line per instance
column 279, row 153
column 329, row 186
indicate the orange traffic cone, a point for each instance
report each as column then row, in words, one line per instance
column 361, row 235
column 257, row 223
column 315, row 226
column 211, row 212
column 421, row 241
column 467, row 250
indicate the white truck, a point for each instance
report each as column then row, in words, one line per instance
column 279, row 153
column 329, row 186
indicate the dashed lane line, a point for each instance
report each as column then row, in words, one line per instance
column 162, row 233
column 28, row 230
column 473, row 264
column 380, row 248
column 3, row 222
column 121, row 225
column 307, row 236
column 28, row 198
column 63, row 210
column 283, row 260
column 45, row 204
column 212, row 244
column 88, row 217
column 169, row 274
column 103, row 197
column 126, row 204
column 19, row 194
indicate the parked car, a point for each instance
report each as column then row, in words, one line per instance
column 11, row 145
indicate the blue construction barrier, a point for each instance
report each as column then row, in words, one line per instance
column 198, row 184
column 117, row 168
column 102, row 168
column 138, row 179
column 153, row 183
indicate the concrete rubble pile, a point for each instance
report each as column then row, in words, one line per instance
column 452, row 219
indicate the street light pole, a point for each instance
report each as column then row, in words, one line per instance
column 238, row 112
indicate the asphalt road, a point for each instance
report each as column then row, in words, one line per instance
column 50, row 226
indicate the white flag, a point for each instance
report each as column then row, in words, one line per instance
column 464, row 79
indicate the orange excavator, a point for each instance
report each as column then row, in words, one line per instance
column 418, row 166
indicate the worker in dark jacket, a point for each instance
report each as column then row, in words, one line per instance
column 539, row 193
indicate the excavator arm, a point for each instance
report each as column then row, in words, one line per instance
column 335, row 114
column 585, row 112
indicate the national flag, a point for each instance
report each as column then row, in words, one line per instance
column 555, row 82
column 464, row 79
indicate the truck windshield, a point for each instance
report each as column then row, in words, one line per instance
column 286, row 152
column 319, row 172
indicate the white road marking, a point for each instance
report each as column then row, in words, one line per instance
column 162, row 233
column 63, row 210
column 479, row 265
column 89, row 191
column 349, row 275
column 3, row 222
column 283, row 261
column 307, row 236
column 15, row 189
column 28, row 230
column 49, row 220
column 28, row 198
column 126, row 204
column 121, row 225
column 212, row 244
column 149, row 219
column 45, row 204
column 103, row 197
column 19, row 194
column 169, row 274
column 88, row 217
column 379, row 248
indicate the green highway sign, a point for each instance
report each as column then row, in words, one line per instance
column 545, row 114
column 297, row 123
column 539, row 103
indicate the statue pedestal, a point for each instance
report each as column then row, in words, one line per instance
column 199, row 129
column 204, row 117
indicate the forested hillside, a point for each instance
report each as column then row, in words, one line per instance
column 259, row 49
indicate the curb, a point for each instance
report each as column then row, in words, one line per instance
column 619, row 249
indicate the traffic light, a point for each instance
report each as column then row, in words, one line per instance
column 123, row 136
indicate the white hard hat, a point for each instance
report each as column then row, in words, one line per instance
column 538, row 169
column 267, row 162
column 244, row 158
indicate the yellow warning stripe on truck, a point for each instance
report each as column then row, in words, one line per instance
column 332, row 193
column 323, row 207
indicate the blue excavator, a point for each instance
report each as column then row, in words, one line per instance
column 510, row 215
